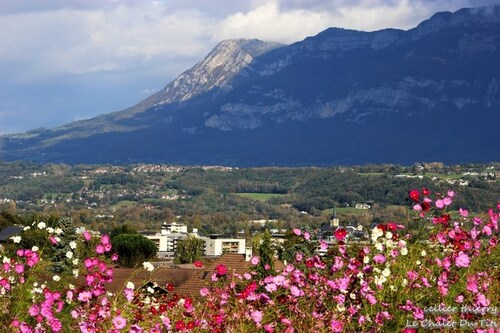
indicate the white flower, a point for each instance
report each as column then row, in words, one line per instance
column 150, row 290
column 366, row 260
column 26, row 228
column 69, row 254
column 72, row 245
column 388, row 235
column 41, row 225
column 340, row 308
column 148, row 266
column 423, row 253
column 386, row 272
column 376, row 233
column 75, row 261
column 56, row 278
column 58, row 231
column 379, row 247
column 75, row 273
column 34, row 248
column 404, row 251
column 404, row 283
column 16, row 239
column 6, row 260
column 71, row 286
column 418, row 263
column 393, row 288
column 50, row 230
column 352, row 295
column 130, row 285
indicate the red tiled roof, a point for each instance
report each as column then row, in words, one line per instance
column 139, row 276
column 235, row 263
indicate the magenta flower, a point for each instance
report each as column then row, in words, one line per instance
column 440, row 203
column 19, row 268
column 99, row 249
column 255, row 260
column 462, row 260
column 256, row 316
column 221, row 270
column 119, row 322
column 336, row 326
column 379, row 258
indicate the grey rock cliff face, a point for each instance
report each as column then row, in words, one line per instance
column 216, row 70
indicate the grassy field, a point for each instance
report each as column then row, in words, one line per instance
column 260, row 196
column 124, row 204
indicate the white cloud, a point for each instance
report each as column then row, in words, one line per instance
column 70, row 59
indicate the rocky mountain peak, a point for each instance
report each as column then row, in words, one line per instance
column 226, row 60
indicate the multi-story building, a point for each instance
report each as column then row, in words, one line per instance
column 166, row 240
column 216, row 245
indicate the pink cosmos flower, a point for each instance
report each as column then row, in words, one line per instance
column 256, row 316
column 119, row 322
column 481, row 300
column 86, row 235
column 379, row 258
column 129, row 294
column 472, row 284
column 114, row 257
column 296, row 292
column 463, row 212
column 34, row 310
column 440, row 203
column 255, row 260
column 336, row 326
column 19, row 268
column 85, row 296
column 204, row 292
column 99, row 249
column 297, row 231
column 55, row 324
column 462, row 260
column 105, row 239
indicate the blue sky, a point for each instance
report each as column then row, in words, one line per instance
column 66, row 60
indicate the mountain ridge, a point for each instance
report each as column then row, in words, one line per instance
column 352, row 82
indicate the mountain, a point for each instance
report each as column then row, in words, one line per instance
column 341, row 97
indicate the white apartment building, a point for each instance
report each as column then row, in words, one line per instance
column 166, row 240
column 216, row 245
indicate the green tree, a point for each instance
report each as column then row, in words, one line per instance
column 266, row 253
column 133, row 249
column 66, row 244
column 189, row 250
column 123, row 229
